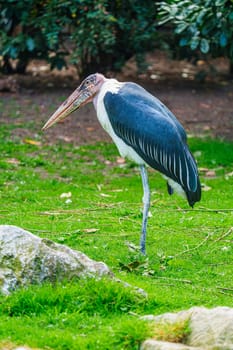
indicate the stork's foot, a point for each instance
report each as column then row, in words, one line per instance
column 143, row 251
column 143, row 246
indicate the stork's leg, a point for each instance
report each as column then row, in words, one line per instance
column 146, row 206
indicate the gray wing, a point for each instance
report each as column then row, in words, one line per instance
column 147, row 125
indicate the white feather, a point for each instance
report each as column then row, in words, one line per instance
column 187, row 170
column 169, row 163
column 174, row 165
column 181, row 173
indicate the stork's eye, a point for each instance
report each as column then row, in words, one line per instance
column 88, row 82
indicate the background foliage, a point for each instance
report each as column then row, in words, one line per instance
column 102, row 35
column 90, row 34
column 204, row 26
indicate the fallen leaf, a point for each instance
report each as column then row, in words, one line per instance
column 210, row 173
column 200, row 63
column 204, row 170
column 13, row 161
column 68, row 201
column 91, row 230
column 32, row 142
column 154, row 76
column 205, row 105
column 117, row 190
column 120, row 160
column 229, row 174
column 225, row 248
column 66, row 195
column 205, row 188
column 99, row 187
column 65, row 138
column 104, row 195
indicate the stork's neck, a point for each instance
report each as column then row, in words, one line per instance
column 109, row 85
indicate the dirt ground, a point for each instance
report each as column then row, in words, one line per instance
column 204, row 108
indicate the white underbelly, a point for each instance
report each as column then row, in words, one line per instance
column 125, row 150
column 175, row 186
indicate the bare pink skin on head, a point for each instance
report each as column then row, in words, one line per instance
column 81, row 96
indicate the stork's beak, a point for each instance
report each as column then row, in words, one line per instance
column 77, row 99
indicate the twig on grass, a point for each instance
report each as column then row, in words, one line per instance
column 174, row 279
column 224, row 235
column 194, row 248
column 223, row 292
column 226, row 289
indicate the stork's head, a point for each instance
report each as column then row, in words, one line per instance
column 81, row 96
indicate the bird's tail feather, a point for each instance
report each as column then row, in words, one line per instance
column 194, row 197
column 193, row 190
column 187, row 183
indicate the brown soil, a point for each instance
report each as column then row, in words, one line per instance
column 202, row 107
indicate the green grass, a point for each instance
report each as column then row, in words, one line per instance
column 189, row 252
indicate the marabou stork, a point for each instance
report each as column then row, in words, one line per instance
column 144, row 130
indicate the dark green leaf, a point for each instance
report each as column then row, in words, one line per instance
column 203, row 24
column 194, row 42
column 223, row 40
column 181, row 27
column 30, row 44
column 231, row 16
column 220, row 2
column 183, row 42
column 13, row 52
column 204, row 45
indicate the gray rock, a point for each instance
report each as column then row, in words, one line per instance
column 152, row 344
column 27, row 259
column 210, row 329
